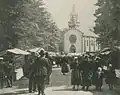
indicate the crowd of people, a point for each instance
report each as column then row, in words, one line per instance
column 89, row 70
column 86, row 70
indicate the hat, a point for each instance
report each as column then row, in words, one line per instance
column 41, row 52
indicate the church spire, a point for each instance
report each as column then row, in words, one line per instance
column 73, row 22
column 73, row 9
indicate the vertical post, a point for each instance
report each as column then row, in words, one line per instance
column 89, row 45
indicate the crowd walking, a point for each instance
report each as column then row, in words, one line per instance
column 86, row 70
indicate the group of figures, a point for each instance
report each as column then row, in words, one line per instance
column 88, row 70
column 6, row 73
column 38, row 70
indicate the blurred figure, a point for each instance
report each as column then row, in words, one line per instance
column 110, row 77
column 76, row 74
column 9, row 73
column 2, row 73
column 86, row 74
column 32, row 82
column 98, row 78
column 64, row 66
column 49, row 68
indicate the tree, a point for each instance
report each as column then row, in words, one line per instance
column 27, row 24
column 9, row 12
column 107, row 22
column 37, row 27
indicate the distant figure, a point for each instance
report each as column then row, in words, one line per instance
column 98, row 78
column 2, row 73
column 110, row 77
column 32, row 82
column 9, row 73
column 76, row 74
column 49, row 68
column 86, row 74
column 64, row 66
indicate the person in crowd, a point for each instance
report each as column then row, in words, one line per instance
column 9, row 73
column 76, row 74
column 98, row 78
column 32, row 82
column 2, row 73
column 58, row 60
column 49, row 68
column 40, row 71
column 86, row 74
column 110, row 77
column 64, row 66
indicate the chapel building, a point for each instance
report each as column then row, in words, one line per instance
column 77, row 41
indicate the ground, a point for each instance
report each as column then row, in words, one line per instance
column 60, row 85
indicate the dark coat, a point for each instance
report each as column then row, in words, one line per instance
column 64, row 68
column 76, row 74
column 87, row 74
column 98, row 78
column 40, row 67
column 110, row 77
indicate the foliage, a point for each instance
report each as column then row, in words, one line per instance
column 32, row 26
column 9, row 12
column 107, row 22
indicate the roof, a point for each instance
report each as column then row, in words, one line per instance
column 85, row 33
column 18, row 51
column 89, row 33
column 36, row 49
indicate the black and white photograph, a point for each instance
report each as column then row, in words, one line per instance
column 59, row 47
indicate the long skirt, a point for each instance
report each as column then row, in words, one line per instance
column 76, row 77
column 86, row 80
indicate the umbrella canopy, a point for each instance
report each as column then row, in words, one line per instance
column 18, row 51
column 106, row 53
column 35, row 50
column 105, row 49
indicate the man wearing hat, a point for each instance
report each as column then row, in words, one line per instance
column 40, row 69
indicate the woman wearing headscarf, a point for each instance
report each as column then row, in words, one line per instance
column 98, row 78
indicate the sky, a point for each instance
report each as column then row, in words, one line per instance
column 61, row 9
